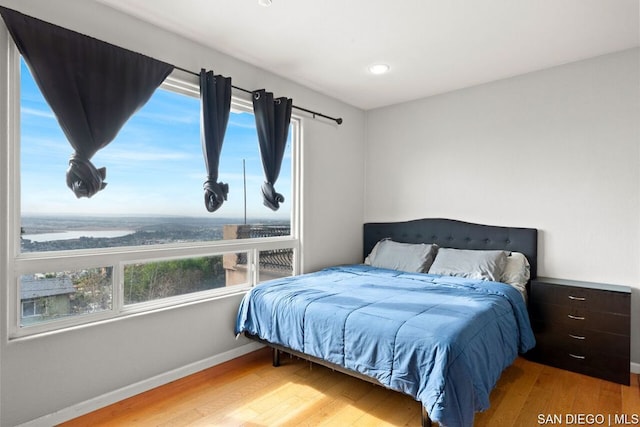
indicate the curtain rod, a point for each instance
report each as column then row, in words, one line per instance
column 313, row 113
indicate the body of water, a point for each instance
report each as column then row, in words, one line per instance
column 76, row 234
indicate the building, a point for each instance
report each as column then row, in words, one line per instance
column 45, row 297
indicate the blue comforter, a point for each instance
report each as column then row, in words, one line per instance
column 443, row 340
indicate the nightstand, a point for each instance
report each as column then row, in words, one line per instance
column 582, row 327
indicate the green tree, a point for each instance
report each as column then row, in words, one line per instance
column 93, row 291
column 154, row 280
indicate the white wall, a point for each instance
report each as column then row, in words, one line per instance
column 558, row 150
column 43, row 375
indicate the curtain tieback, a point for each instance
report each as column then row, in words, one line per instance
column 83, row 178
column 271, row 198
column 215, row 193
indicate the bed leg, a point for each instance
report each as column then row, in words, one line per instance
column 426, row 421
column 276, row 357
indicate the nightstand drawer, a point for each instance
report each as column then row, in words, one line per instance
column 579, row 318
column 580, row 341
column 608, row 363
column 607, row 367
column 580, row 298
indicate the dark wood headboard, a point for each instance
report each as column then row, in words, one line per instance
column 450, row 233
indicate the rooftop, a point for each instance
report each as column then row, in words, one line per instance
column 35, row 287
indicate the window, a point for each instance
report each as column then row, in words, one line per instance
column 155, row 172
column 63, row 294
column 146, row 240
column 148, row 281
column 32, row 307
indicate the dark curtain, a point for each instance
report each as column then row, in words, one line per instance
column 272, row 122
column 215, row 96
column 93, row 88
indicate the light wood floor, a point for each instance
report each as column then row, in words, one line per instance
column 250, row 392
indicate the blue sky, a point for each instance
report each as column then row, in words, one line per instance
column 154, row 166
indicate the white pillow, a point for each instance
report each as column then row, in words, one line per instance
column 473, row 264
column 410, row 257
column 517, row 272
column 374, row 251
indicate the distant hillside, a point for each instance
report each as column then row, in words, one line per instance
column 147, row 231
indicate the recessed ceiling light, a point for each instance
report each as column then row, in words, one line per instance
column 264, row 3
column 378, row 68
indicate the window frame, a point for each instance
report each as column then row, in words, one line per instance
column 36, row 262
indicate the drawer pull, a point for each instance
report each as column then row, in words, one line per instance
column 575, row 356
column 577, row 337
column 575, row 317
column 571, row 297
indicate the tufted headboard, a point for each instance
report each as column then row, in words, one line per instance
column 450, row 233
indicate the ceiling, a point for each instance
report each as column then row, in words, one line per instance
column 432, row 46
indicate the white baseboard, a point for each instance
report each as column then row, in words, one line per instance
column 151, row 383
column 91, row 405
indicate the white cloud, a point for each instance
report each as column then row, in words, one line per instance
column 239, row 124
column 120, row 155
column 186, row 117
column 36, row 112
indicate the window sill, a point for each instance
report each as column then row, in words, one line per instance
column 149, row 309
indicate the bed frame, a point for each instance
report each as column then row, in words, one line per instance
column 446, row 233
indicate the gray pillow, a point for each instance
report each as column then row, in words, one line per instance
column 517, row 272
column 410, row 257
column 485, row 265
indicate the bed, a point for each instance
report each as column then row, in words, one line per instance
column 442, row 339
